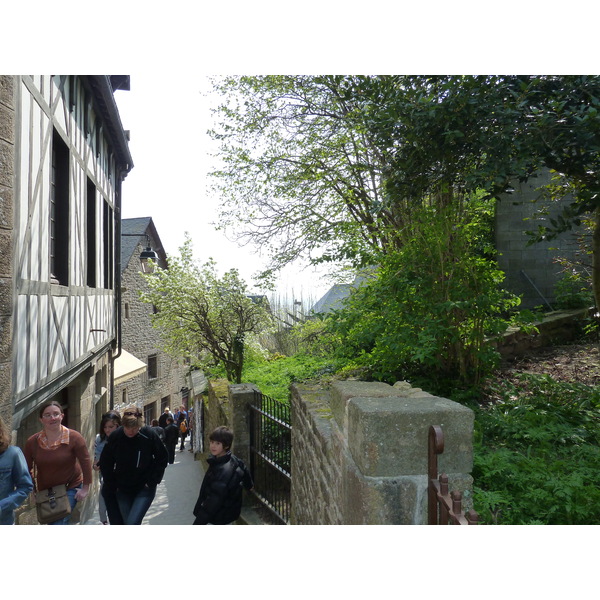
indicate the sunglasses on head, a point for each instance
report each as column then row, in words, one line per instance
column 132, row 414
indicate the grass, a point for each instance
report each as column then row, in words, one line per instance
column 275, row 376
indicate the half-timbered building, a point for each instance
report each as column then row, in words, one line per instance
column 63, row 157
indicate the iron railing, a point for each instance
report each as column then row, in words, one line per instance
column 270, row 454
column 443, row 507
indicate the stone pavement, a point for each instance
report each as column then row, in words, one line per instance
column 176, row 494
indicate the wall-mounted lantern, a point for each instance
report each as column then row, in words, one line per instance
column 148, row 257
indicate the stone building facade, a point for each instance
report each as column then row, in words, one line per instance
column 7, row 206
column 162, row 379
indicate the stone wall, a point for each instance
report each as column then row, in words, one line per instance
column 359, row 452
column 7, row 145
column 359, row 449
column 228, row 405
column 217, row 410
column 557, row 327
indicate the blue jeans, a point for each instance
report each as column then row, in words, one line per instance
column 135, row 505
column 71, row 495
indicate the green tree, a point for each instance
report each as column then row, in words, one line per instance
column 332, row 167
column 208, row 318
column 299, row 175
column 448, row 136
column 431, row 306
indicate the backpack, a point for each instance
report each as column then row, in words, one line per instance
column 183, row 426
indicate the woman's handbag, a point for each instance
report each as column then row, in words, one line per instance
column 52, row 504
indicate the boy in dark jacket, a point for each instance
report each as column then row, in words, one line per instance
column 220, row 499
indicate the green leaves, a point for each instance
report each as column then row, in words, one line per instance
column 537, row 455
column 431, row 305
column 273, row 377
column 203, row 316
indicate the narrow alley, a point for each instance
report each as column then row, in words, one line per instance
column 176, row 494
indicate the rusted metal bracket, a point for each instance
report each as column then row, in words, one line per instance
column 443, row 506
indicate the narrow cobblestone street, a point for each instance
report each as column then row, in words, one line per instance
column 176, row 494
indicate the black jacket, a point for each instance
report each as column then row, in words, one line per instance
column 162, row 420
column 171, row 434
column 131, row 463
column 160, row 432
column 220, row 498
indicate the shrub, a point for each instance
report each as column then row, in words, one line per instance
column 429, row 309
column 573, row 290
column 537, row 455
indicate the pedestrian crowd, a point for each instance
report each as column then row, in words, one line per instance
column 130, row 458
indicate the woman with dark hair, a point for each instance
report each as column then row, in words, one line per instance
column 15, row 480
column 58, row 456
column 110, row 422
column 132, row 464
column 159, row 430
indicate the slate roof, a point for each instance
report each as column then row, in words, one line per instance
column 135, row 231
column 333, row 299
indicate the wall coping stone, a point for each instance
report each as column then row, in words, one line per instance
column 388, row 437
column 387, row 427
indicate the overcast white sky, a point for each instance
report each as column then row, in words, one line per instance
column 168, row 50
column 167, row 111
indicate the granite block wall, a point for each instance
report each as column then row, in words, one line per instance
column 359, row 453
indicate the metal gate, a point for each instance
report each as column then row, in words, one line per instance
column 271, row 454
column 444, row 507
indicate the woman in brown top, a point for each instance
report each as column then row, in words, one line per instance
column 58, row 455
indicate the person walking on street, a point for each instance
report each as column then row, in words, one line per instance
column 162, row 420
column 182, row 423
column 133, row 463
column 15, row 480
column 58, row 456
column 181, row 410
column 159, row 430
column 110, row 422
column 171, row 437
